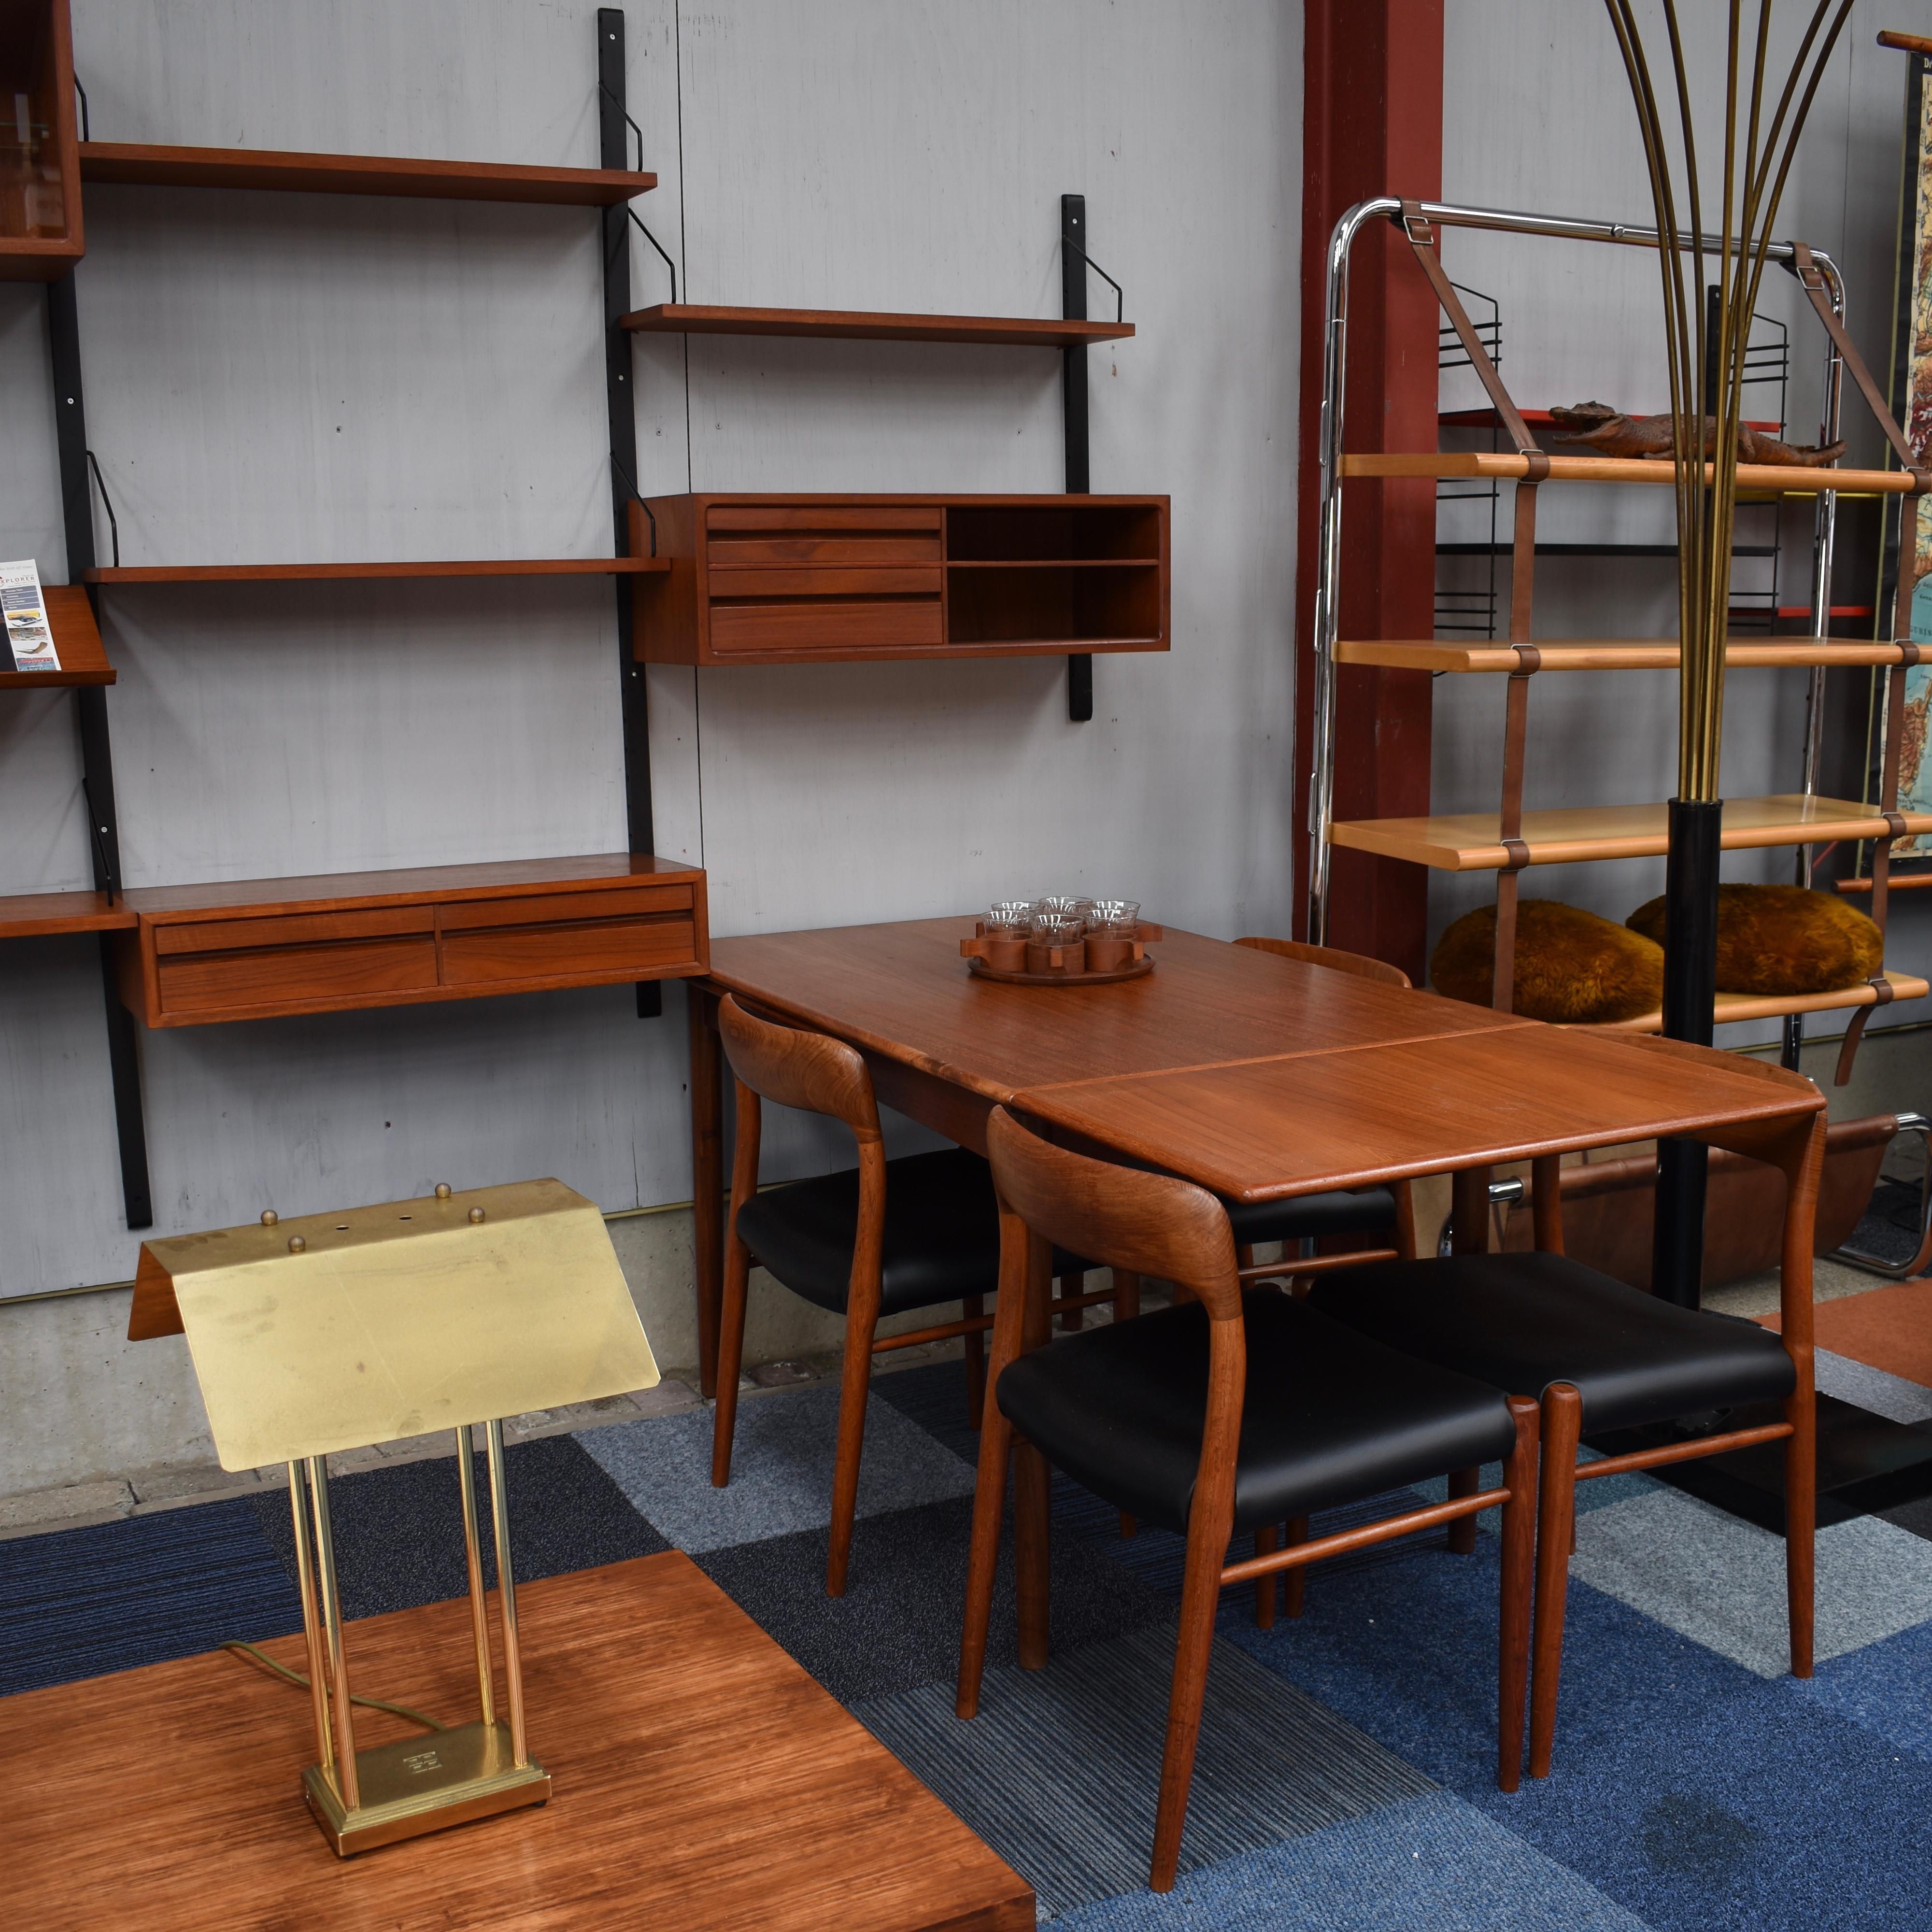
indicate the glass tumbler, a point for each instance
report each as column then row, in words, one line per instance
column 1113, row 931
column 1057, row 943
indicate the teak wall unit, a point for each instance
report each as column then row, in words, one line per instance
column 696, row 622
column 762, row 579
column 1511, row 839
column 254, row 948
column 190, row 954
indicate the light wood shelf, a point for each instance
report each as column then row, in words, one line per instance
column 1470, row 842
column 127, row 164
column 1775, row 479
column 1613, row 654
column 1734, row 1006
column 77, row 639
column 303, row 573
column 41, row 915
column 869, row 325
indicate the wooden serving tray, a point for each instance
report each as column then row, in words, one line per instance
column 1138, row 969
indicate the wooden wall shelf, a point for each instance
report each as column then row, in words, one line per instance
column 1470, row 842
column 317, row 573
column 42, row 915
column 77, row 639
column 870, row 325
column 1613, row 654
column 40, row 237
column 1733, row 1006
column 1775, row 479
column 818, row 579
column 258, row 948
column 127, row 164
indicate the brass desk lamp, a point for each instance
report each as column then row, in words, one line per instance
column 337, row 1330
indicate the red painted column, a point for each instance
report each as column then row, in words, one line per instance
column 1372, row 125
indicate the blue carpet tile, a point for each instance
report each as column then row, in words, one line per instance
column 79, row 1602
column 1346, row 1780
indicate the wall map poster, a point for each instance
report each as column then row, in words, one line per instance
column 1914, row 354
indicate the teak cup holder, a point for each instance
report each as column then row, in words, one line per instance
column 1100, row 958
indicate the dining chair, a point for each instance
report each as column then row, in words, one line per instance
column 1229, row 1410
column 1601, row 1357
column 1385, row 1214
column 878, row 1240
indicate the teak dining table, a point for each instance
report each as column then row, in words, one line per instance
column 1257, row 1076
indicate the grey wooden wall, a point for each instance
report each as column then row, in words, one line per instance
column 273, row 378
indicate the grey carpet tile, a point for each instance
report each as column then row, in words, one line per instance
column 1867, row 1387
column 786, row 1444
column 1721, row 1582
column 1059, row 1772
column 898, row 1625
column 398, row 1531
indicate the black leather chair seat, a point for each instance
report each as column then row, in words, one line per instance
column 1329, row 1416
column 1369, row 1211
column 942, row 1234
column 1522, row 1322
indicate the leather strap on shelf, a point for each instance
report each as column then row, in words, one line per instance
column 1519, row 853
column 1528, row 658
column 1502, row 971
column 1422, row 239
column 1908, row 653
column 1813, row 279
column 1881, row 996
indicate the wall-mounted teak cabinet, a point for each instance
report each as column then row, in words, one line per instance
column 809, row 579
column 258, row 948
column 40, row 151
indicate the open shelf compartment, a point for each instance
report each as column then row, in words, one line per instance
column 40, row 235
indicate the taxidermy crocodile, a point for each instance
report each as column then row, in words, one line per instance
column 1612, row 434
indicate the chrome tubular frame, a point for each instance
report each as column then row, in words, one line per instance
column 1327, row 566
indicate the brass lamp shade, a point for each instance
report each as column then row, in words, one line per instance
column 333, row 1331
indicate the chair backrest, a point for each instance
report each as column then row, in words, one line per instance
column 1333, row 957
column 1152, row 1223
column 808, row 1070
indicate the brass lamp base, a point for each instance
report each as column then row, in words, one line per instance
column 418, row 1785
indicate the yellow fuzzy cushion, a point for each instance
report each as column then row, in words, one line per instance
column 1571, row 966
column 1783, row 939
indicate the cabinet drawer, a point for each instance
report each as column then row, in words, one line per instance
column 556, row 908
column 291, row 977
column 825, row 625
column 230, row 935
column 748, row 534
column 576, row 953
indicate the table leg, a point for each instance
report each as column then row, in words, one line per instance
column 707, row 1180
column 1470, row 1212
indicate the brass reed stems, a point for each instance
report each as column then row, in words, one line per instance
column 1705, row 508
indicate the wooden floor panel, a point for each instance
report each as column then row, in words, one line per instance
column 702, row 1779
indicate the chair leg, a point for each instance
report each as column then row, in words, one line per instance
column 1267, row 1537
column 1129, row 1525
column 1801, row 1514
column 1244, row 1254
column 1463, row 1531
column 730, row 1358
column 1555, row 1528
column 970, row 1309
column 989, row 1503
column 1519, row 1561
column 855, row 1384
column 1294, row 1583
column 1200, row 1599
column 1073, row 1320
column 1033, row 1482
column 1127, row 1294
